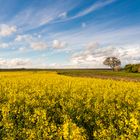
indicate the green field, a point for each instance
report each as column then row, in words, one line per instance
column 105, row 74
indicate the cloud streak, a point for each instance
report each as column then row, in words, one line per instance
column 28, row 20
column 94, row 7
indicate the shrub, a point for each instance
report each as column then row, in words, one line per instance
column 132, row 68
column 128, row 68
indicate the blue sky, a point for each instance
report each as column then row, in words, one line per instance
column 68, row 33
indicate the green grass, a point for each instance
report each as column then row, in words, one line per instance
column 100, row 73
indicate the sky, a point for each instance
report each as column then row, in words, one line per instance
column 68, row 33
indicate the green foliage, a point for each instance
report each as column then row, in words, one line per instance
column 112, row 62
column 128, row 68
column 132, row 68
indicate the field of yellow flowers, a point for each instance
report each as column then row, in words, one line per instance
column 48, row 106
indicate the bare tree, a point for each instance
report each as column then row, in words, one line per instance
column 112, row 62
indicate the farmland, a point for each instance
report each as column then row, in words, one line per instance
column 46, row 105
column 101, row 73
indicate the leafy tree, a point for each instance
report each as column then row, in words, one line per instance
column 112, row 62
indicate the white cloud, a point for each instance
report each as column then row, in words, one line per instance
column 15, row 63
column 34, row 42
column 94, row 56
column 38, row 45
column 58, row 44
column 6, row 30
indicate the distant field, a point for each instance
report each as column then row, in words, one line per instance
column 105, row 74
column 93, row 73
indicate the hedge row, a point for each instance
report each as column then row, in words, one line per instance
column 132, row 68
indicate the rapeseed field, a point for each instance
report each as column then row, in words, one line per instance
column 48, row 106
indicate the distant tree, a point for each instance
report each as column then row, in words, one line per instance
column 112, row 62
